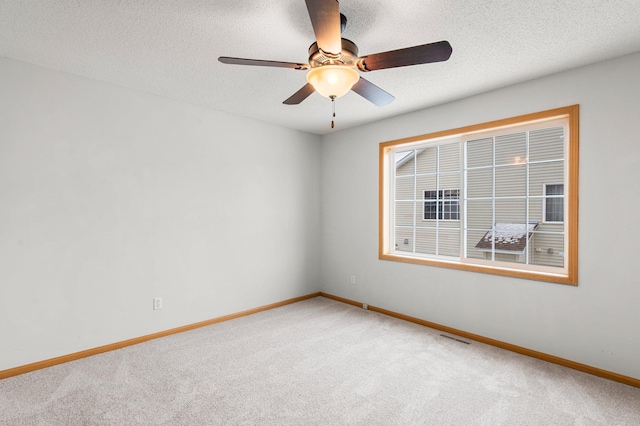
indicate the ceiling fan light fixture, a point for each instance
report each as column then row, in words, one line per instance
column 333, row 80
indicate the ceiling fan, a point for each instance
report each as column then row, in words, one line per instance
column 334, row 62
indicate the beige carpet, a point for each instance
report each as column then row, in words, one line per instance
column 316, row 362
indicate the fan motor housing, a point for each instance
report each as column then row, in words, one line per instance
column 348, row 56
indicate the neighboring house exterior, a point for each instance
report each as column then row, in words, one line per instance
column 512, row 207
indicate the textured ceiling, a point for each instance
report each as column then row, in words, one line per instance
column 170, row 48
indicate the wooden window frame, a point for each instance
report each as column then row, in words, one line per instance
column 569, row 274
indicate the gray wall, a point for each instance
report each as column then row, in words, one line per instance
column 110, row 197
column 596, row 323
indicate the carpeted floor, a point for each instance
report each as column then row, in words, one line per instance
column 316, row 362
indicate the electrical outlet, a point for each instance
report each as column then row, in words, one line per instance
column 157, row 303
column 353, row 279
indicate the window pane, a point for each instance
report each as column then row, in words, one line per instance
column 446, row 210
column 426, row 241
column 554, row 207
column 404, row 213
column 449, row 158
column 548, row 249
column 479, row 153
column 511, row 149
column 511, row 211
column 449, row 181
column 535, row 210
column 546, row 144
column 427, row 160
column 557, row 189
column 455, row 211
column 405, row 164
column 449, row 242
column 479, row 183
column 473, row 238
column 541, row 174
column 511, row 181
column 404, row 188
column 404, row 239
column 430, row 210
column 426, row 187
column 479, row 214
column 554, row 210
column 547, row 235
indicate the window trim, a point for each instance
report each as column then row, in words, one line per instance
column 570, row 273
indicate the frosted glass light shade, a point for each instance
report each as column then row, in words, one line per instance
column 333, row 80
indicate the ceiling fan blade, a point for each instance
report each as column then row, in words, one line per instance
column 325, row 19
column 300, row 95
column 422, row 54
column 261, row 63
column 372, row 93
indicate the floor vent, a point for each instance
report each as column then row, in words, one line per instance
column 456, row 339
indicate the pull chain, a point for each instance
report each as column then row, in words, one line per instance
column 333, row 107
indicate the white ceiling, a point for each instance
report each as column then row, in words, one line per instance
column 170, row 48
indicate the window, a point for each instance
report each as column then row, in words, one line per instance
column 487, row 198
column 554, row 202
column 442, row 205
